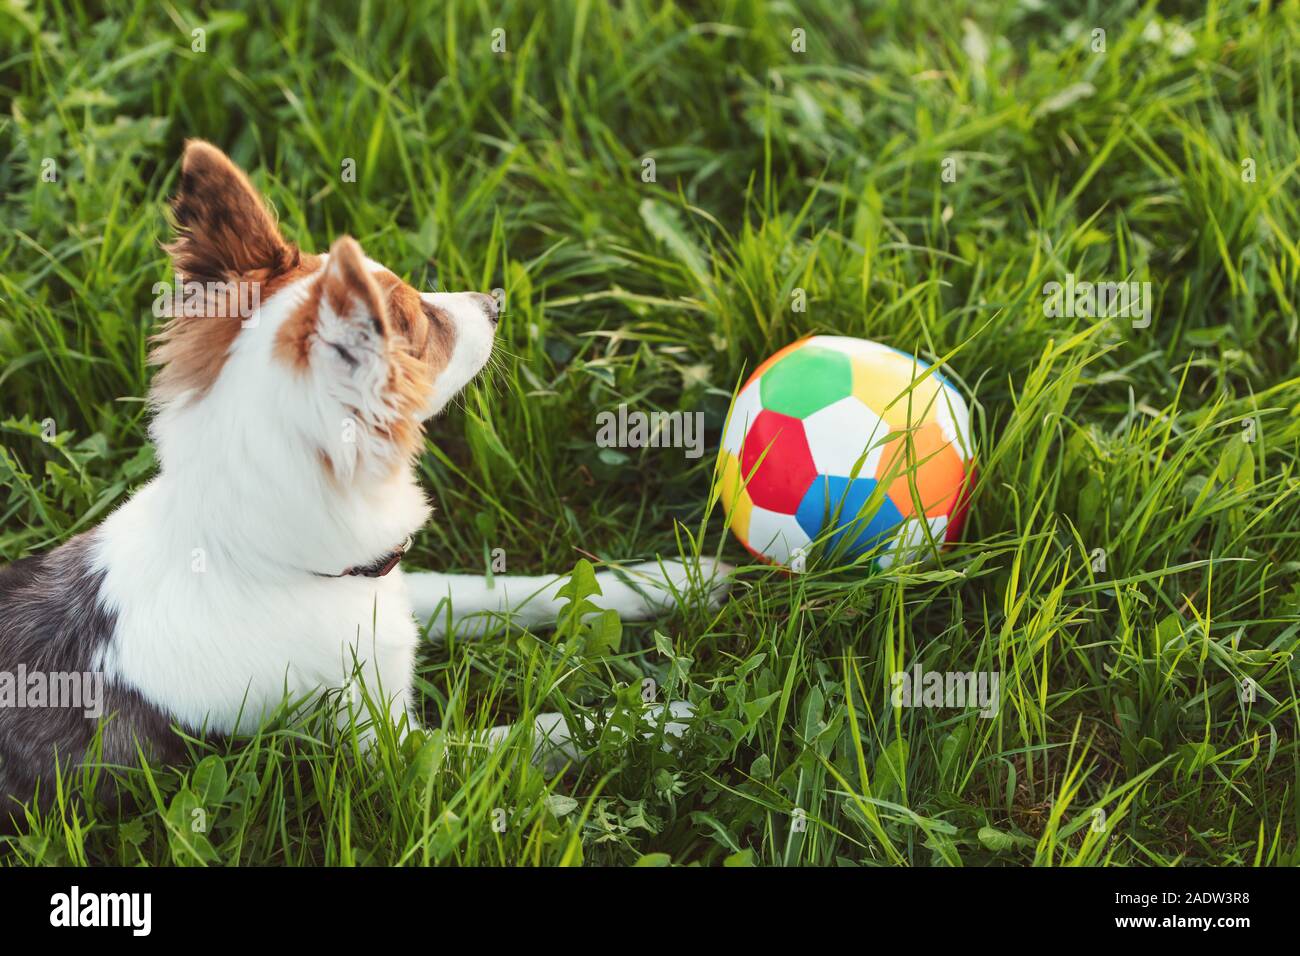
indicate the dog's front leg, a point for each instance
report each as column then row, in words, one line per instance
column 469, row 606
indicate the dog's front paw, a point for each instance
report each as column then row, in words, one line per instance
column 666, row 584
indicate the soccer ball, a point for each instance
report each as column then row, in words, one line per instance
column 848, row 443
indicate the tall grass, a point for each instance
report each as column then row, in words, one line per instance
column 1122, row 734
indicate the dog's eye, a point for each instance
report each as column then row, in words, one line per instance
column 344, row 354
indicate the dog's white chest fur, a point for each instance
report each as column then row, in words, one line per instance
column 215, row 634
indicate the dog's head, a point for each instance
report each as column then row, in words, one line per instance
column 338, row 350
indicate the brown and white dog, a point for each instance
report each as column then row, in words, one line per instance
column 261, row 560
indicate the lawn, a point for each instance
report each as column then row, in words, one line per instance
column 667, row 194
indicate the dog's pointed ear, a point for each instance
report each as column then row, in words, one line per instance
column 348, row 291
column 223, row 229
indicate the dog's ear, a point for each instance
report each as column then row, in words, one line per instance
column 223, row 229
column 348, row 292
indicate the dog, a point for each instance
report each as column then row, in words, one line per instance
column 263, row 558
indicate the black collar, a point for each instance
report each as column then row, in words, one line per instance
column 377, row 568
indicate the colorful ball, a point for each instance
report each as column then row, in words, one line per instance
column 848, row 443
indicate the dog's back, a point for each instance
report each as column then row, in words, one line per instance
column 54, row 633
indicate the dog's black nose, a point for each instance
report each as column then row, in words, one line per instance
column 489, row 304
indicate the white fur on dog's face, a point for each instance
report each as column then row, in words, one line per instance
column 475, row 332
column 384, row 376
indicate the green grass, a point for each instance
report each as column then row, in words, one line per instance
column 775, row 171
